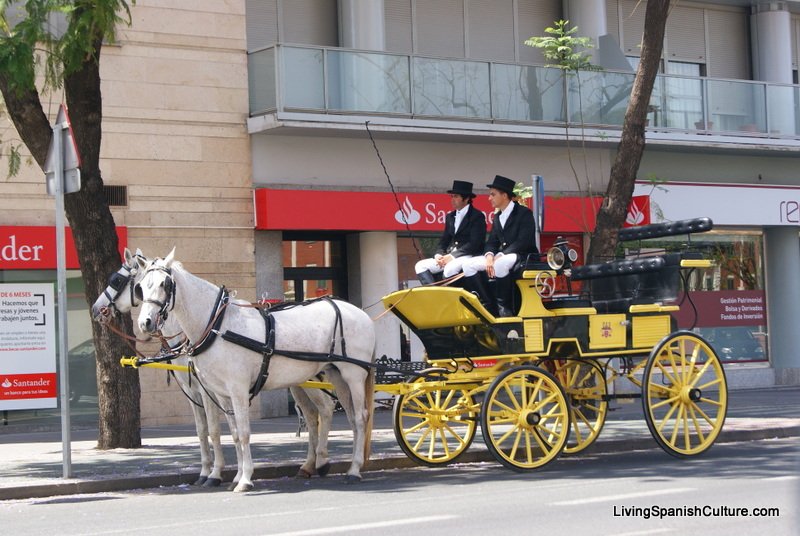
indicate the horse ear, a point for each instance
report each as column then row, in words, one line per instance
column 171, row 257
column 141, row 262
column 128, row 256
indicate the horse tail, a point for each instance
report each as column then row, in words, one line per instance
column 369, row 407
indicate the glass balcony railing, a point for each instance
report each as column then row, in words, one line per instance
column 338, row 81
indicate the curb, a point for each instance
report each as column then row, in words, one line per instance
column 266, row 472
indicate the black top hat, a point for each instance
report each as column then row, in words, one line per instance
column 462, row 188
column 503, row 184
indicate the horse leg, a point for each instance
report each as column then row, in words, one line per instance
column 211, row 418
column 201, row 427
column 309, row 411
column 351, row 389
column 325, row 406
column 242, row 418
column 236, row 443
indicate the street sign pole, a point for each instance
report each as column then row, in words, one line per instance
column 63, row 176
column 61, row 279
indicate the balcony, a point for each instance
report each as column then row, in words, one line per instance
column 299, row 87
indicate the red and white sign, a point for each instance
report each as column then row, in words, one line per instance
column 27, row 346
column 723, row 308
column 382, row 211
column 34, row 248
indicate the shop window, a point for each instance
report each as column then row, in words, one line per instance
column 727, row 302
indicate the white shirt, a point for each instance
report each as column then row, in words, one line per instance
column 506, row 213
column 460, row 216
column 503, row 217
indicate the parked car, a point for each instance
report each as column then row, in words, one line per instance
column 734, row 343
column 82, row 371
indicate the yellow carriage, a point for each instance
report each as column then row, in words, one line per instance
column 539, row 383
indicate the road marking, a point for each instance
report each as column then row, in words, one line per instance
column 609, row 498
column 365, row 526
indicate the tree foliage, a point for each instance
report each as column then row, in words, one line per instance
column 35, row 60
column 563, row 49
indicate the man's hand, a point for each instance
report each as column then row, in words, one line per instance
column 441, row 261
column 490, row 265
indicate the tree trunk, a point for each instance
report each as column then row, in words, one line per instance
column 94, row 232
column 611, row 215
column 96, row 241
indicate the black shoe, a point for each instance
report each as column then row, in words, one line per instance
column 479, row 285
column 426, row 278
column 503, row 288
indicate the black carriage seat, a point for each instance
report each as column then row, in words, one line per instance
column 615, row 286
column 658, row 230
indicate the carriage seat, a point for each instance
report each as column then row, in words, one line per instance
column 614, row 286
column 658, row 230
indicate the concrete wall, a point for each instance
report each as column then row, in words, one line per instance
column 343, row 162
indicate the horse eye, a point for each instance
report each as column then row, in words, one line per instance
column 137, row 292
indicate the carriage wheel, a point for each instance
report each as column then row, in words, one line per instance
column 684, row 394
column 586, row 390
column 524, row 419
column 434, row 427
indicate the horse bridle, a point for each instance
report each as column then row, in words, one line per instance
column 169, row 287
column 117, row 282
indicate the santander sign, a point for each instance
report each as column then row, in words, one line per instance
column 34, row 248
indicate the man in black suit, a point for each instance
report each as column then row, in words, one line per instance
column 463, row 237
column 512, row 238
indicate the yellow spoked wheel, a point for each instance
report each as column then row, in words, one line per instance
column 586, row 390
column 434, row 427
column 684, row 394
column 525, row 419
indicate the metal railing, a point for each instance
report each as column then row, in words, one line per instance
column 339, row 81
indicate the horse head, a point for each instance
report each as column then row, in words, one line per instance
column 118, row 295
column 156, row 291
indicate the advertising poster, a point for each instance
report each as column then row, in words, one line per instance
column 27, row 346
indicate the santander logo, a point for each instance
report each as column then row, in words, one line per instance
column 635, row 214
column 407, row 214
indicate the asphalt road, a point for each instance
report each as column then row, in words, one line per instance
column 623, row 494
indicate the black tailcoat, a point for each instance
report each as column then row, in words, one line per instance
column 469, row 238
column 517, row 236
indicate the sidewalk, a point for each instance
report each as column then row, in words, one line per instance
column 31, row 463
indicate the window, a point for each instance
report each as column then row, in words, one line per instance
column 727, row 303
column 314, row 265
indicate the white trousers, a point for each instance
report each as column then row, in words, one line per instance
column 450, row 269
column 502, row 265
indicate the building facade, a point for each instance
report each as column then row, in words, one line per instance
column 276, row 142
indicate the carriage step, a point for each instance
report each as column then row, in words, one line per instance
column 388, row 371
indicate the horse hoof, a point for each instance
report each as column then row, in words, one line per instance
column 302, row 473
column 323, row 470
column 242, row 488
column 200, row 481
column 352, row 479
column 212, row 482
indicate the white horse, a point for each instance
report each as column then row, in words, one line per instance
column 330, row 336
column 118, row 297
column 316, row 406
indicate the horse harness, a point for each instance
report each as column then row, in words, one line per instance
column 267, row 349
